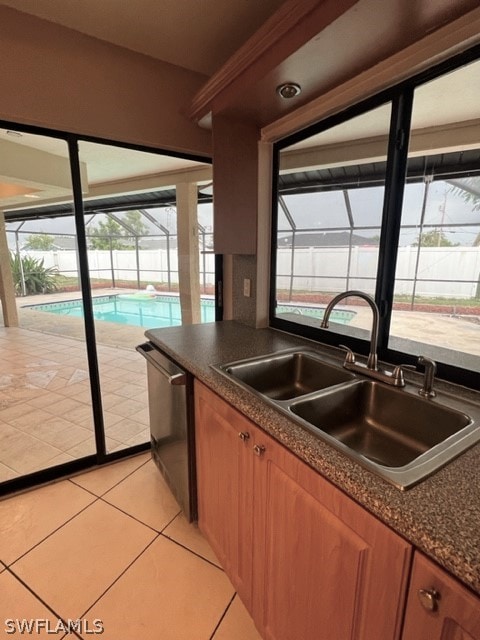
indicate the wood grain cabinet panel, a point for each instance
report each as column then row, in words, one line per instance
column 456, row 611
column 306, row 560
column 323, row 566
column 224, row 485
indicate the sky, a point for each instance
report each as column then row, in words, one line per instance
column 326, row 211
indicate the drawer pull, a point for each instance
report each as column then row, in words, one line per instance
column 258, row 449
column 429, row 599
column 244, row 436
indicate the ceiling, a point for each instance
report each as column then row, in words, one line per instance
column 458, row 92
column 35, row 170
column 201, row 36
column 196, row 35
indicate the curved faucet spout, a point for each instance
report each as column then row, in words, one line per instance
column 372, row 356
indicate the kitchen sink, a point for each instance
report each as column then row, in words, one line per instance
column 287, row 375
column 394, row 432
column 385, row 425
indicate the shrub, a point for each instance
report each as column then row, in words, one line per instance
column 37, row 277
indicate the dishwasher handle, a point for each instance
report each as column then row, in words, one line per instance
column 149, row 353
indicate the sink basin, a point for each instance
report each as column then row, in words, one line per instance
column 287, row 375
column 393, row 432
column 385, row 425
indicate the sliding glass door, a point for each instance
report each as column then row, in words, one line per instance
column 46, row 416
column 90, row 245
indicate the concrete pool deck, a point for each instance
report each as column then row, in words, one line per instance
column 112, row 334
column 441, row 330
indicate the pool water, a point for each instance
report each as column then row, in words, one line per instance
column 139, row 310
column 339, row 316
column 143, row 310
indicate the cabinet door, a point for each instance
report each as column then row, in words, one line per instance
column 323, row 566
column 224, row 485
column 439, row 607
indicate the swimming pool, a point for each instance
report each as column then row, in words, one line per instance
column 150, row 312
column 138, row 309
column 339, row 316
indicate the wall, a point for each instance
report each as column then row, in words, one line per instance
column 57, row 78
column 244, row 308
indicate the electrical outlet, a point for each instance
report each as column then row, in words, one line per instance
column 247, row 287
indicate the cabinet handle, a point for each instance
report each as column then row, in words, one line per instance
column 429, row 599
column 244, row 436
column 258, row 449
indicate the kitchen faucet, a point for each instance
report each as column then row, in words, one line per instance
column 371, row 368
column 372, row 356
column 427, row 390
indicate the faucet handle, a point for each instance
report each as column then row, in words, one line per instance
column 350, row 357
column 397, row 374
column 430, row 366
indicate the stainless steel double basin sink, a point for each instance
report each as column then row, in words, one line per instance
column 393, row 432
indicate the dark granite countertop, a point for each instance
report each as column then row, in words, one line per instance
column 440, row 516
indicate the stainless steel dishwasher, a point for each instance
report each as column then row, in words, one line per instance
column 170, row 401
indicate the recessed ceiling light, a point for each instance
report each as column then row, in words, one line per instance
column 289, row 90
column 14, row 134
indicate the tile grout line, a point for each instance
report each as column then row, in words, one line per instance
column 51, row 533
column 157, row 537
column 164, row 535
column 158, row 531
column 119, row 576
column 51, row 350
column 37, row 596
column 223, row 616
column 72, row 478
column 30, row 435
column 8, row 466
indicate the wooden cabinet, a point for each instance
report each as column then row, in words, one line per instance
column 307, row 561
column 323, row 566
column 439, row 607
column 224, row 485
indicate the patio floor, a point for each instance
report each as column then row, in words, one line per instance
column 45, row 403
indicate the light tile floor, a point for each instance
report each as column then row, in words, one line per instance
column 111, row 545
column 45, row 403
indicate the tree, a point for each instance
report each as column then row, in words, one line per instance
column 108, row 233
column 40, row 242
column 433, row 238
column 469, row 192
column 470, row 196
column 135, row 221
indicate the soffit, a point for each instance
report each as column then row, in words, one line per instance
column 367, row 33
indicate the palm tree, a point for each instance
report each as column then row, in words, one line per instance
column 469, row 190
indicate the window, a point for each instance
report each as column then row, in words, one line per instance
column 385, row 198
column 436, row 304
column 329, row 220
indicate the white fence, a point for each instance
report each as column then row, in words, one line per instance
column 442, row 271
column 152, row 264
